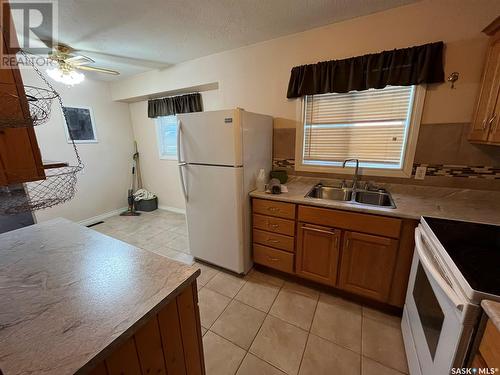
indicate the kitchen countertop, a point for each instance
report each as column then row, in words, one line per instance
column 411, row 201
column 70, row 294
column 492, row 309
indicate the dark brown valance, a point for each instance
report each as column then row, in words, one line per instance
column 399, row 67
column 175, row 104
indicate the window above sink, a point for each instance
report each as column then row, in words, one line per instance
column 377, row 126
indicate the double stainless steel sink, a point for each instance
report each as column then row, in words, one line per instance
column 378, row 197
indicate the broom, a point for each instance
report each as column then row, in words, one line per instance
column 135, row 164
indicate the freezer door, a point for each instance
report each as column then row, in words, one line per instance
column 214, row 215
column 211, row 138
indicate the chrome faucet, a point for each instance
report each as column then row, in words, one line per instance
column 356, row 175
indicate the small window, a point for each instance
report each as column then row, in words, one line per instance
column 377, row 127
column 166, row 132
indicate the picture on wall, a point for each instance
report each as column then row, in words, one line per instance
column 80, row 124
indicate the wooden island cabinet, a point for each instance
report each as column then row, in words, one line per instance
column 104, row 307
column 168, row 343
column 362, row 254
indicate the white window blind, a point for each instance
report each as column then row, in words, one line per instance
column 166, row 132
column 370, row 125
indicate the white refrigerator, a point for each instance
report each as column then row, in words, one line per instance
column 220, row 154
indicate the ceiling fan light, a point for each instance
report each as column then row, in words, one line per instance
column 66, row 77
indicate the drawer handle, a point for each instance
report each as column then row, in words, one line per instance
column 273, row 209
column 272, row 259
column 273, row 226
column 318, row 230
column 270, row 240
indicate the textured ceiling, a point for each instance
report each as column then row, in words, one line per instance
column 164, row 32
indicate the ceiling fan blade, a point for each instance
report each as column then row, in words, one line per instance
column 95, row 69
column 79, row 60
column 132, row 61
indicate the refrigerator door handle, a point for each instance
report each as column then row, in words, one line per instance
column 181, row 163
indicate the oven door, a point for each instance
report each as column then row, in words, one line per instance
column 435, row 313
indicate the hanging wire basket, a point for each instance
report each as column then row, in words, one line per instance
column 39, row 105
column 59, row 186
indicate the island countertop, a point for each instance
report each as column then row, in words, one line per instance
column 70, row 294
column 411, row 201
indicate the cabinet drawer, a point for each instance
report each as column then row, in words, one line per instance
column 274, row 224
column 372, row 224
column 277, row 241
column 272, row 208
column 277, row 259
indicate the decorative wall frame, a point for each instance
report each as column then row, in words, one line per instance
column 80, row 121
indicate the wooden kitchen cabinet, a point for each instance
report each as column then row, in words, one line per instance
column 317, row 253
column 273, row 258
column 363, row 254
column 367, row 265
column 485, row 123
column 485, row 352
column 20, row 159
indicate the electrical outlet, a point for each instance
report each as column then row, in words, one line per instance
column 420, row 173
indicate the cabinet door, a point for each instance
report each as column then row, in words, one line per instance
column 484, row 117
column 20, row 159
column 367, row 265
column 494, row 135
column 318, row 253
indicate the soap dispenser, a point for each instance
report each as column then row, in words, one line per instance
column 261, row 181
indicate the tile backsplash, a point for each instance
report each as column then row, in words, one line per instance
column 463, row 171
column 443, row 148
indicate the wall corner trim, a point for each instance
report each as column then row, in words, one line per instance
column 102, row 217
column 178, row 91
column 173, row 209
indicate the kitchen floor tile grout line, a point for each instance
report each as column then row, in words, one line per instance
column 260, row 328
column 309, row 333
column 117, row 230
column 361, row 349
column 363, row 316
column 247, row 351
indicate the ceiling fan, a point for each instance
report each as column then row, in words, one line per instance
column 67, row 65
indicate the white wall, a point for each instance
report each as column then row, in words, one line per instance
column 103, row 184
column 256, row 77
column 159, row 176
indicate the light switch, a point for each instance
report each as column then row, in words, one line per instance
column 420, row 173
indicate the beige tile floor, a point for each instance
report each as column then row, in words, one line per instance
column 262, row 324
column 160, row 231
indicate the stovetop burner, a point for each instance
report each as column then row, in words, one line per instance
column 475, row 250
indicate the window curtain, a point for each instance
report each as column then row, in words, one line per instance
column 175, row 104
column 399, row 67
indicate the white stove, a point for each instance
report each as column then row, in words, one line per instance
column 455, row 266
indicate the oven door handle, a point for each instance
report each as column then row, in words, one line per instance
column 436, row 275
